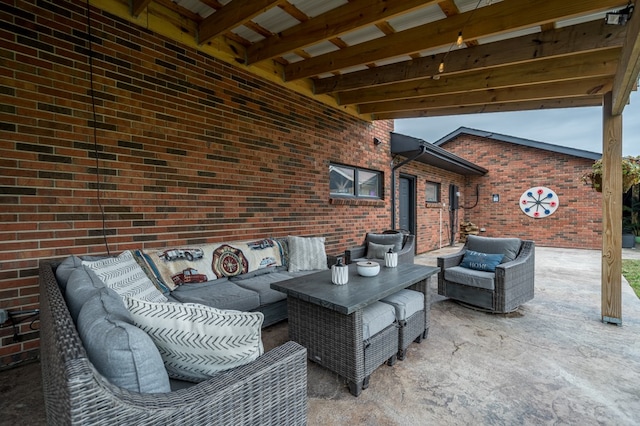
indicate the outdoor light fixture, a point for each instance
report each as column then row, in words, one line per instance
column 619, row 17
column 376, row 141
column 495, row 198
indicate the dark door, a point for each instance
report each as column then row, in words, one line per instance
column 407, row 205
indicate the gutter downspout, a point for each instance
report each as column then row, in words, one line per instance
column 423, row 149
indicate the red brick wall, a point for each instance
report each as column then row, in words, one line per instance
column 190, row 150
column 512, row 170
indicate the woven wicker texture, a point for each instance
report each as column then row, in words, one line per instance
column 269, row 391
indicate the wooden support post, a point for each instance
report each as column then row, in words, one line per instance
column 611, row 214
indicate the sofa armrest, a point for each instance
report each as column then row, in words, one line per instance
column 450, row 260
column 408, row 252
column 515, row 280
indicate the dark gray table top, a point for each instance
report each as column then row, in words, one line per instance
column 359, row 292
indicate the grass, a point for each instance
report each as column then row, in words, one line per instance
column 631, row 271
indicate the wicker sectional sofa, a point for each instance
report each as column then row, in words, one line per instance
column 270, row 388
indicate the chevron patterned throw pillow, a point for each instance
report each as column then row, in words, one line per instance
column 197, row 341
column 125, row 277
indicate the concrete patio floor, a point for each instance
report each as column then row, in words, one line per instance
column 551, row 362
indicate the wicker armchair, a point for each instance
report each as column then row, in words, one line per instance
column 511, row 285
column 406, row 255
column 271, row 390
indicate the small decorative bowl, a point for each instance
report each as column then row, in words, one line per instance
column 368, row 269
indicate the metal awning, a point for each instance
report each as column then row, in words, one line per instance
column 410, row 147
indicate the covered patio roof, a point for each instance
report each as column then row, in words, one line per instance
column 400, row 58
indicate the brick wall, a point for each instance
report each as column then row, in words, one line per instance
column 515, row 168
column 189, row 150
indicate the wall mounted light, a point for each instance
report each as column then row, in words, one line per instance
column 495, row 198
column 619, row 17
column 376, row 141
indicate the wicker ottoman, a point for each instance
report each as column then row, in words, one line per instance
column 410, row 312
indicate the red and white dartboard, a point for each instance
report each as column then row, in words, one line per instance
column 539, row 202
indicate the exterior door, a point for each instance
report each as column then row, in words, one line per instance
column 407, row 204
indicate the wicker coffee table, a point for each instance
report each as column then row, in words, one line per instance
column 327, row 318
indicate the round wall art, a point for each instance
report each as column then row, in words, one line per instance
column 539, row 202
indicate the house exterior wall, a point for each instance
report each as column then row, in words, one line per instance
column 515, row 168
column 189, row 150
column 433, row 220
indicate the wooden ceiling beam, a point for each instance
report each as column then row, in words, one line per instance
column 534, row 92
column 338, row 21
column 495, row 19
column 626, row 78
column 586, row 101
column 232, row 15
column 581, row 38
column 592, row 64
column 137, row 6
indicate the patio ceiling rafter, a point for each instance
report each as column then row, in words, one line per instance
column 377, row 59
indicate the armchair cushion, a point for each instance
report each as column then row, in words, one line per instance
column 470, row 277
column 481, row 261
column 510, row 247
column 377, row 251
column 387, row 239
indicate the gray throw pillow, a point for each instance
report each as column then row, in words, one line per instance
column 377, row 251
column 386, row 239
column 306, row 254
column 124, row 354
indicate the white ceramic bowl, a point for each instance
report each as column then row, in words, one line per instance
column 368, row 269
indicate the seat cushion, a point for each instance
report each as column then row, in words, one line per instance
column 386, row 239
column 376, row 317
column 197, row 341
column 261, row 284
column 220, row 293
column 406, row 303
column 124, row 354
column 510, row 247
column 470, row 277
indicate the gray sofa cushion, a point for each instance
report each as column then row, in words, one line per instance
column 68, row 265
column 220, row 293
column 262, row 285
column 470, row 277
column 510, row 247
column 120, row 351
column 376, row 317
column 83, row 284
column 386, row 239
column 406, row 303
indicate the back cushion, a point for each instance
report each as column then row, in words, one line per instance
column 81, row 286
column 510, row 247
column 124, row 354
